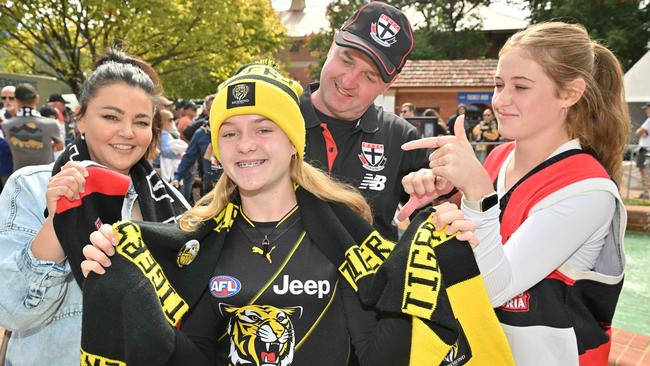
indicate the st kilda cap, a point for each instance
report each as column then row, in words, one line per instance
column 383, row 33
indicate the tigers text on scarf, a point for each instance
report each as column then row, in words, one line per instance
column 432, row 278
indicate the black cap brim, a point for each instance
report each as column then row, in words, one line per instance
column 387, row 69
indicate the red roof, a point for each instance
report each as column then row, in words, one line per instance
column 447, row 73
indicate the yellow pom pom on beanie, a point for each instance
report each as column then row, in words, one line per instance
column 260, row 89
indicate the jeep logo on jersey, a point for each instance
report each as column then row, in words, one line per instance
column 297, row 287
column 241, row 95
column 224, row 286
column 372, row 156
column 384, row 31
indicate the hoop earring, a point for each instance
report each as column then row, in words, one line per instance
column 294, row 156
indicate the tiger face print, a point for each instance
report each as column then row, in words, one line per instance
column 260, row 335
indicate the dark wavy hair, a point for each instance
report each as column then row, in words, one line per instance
column 115, row 66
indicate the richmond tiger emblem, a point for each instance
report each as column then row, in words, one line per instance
column 260, row 335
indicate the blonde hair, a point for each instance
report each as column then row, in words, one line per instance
column 600, row 118
column 305, row 175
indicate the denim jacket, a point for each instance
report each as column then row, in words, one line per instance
column 40, row 302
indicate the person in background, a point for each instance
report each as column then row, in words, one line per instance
column 10, row 108
column 171, row 148
column 549, row 215
column 48, row 112
column 440, row 127
column 33, row 139
column 186, row 120
column 200, row 120
column 8, row 111
column 487, row 130
column 407, row 110
column 460, row 110
column 41, row 303
column 643, row 132
column 57, row 102
column 199, row 150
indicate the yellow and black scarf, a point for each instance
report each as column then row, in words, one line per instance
column 428, row 276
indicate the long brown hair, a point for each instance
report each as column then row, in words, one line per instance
column 600, row 118
column 305, row 175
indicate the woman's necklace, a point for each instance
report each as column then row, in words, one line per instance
column 266, row 248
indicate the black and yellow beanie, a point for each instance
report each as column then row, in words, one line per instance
column 258, row 88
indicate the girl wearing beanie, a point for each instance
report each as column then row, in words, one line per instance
column 278, row 265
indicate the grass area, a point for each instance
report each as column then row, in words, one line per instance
column 636, row 202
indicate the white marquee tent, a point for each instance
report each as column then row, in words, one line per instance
column 637, row 81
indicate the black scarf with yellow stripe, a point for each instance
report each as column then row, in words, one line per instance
column 428, row 276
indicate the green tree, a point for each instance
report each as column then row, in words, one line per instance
column 193, row 44
column 451, row 29
column 622, row 25
column 338, row 11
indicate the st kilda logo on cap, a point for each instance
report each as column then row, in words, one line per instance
column 241, row 95
column 384, row 31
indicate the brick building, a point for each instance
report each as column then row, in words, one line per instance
column 301, row 22
column 442, row 85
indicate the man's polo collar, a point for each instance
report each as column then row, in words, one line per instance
column 369, row 122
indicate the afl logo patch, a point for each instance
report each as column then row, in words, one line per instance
column 224, row 286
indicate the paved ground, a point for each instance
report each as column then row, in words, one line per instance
column 628, row 349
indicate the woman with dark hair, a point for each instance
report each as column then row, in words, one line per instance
column 41, row 303
column 550, row 217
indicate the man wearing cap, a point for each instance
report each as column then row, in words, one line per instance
column 57, row 102
column 643, row 133
column 31, row 137
column 347, row 134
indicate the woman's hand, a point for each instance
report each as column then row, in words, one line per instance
column 449, row 214
column 455, row 161
column 70, row 182
column 103, row 242
column 423, row 187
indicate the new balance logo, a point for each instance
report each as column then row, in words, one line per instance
column 375, row 182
